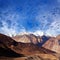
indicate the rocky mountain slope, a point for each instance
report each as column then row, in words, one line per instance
column 11, row 49
column 31, row 38
column 53, row 44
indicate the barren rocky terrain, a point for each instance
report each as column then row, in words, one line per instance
column 13, row 48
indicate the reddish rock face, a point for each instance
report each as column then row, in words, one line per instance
column 53, row 44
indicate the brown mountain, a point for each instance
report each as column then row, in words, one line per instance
column 33, row 57
column 20, row 48
column 58, row 37
column 22, row 38
column 31, row 38
column 53, row 44
column 9, row 47
column 27, row 38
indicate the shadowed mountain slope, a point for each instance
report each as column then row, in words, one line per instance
column 31, row 38
column 12, row 48
column 53, row 44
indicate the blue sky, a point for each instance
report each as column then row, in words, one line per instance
column 35, row 16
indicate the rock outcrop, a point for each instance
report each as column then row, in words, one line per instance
column 31, row 38
column 27, row 38
column 53, row 44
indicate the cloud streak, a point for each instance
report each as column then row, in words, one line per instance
column 43, row 17
column 10, row 25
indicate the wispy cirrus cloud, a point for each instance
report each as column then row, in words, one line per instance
column 9, row 23
column 38, row 17
column 50, row 21
column 54, row 28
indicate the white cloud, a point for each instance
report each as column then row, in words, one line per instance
column 7, row 31
column 12, row 28
column 54, row 28
column 38, row 33
column 50, row 21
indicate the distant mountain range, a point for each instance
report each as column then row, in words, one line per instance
column 30, row 38
column 29, row 46
column 51, row 43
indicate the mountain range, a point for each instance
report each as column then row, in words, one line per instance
column 29, row 47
